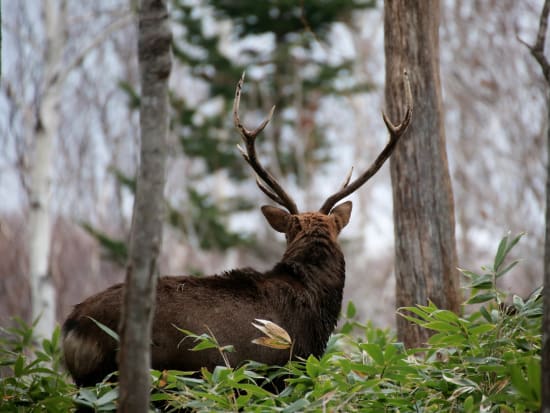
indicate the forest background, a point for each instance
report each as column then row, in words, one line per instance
column 326, row 77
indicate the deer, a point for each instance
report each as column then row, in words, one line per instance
column 302, row 293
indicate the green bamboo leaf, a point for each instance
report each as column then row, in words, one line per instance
column 460, row 381
column 186, row 332
column 430, row 308
column 19, row 366
column 298, row 406
column 534, row 376
column 412, row 319
column 204, row 345
column 535, row 295
column 533, row 312
column 503, row 249
column 106, row 329
column 441, row 326
column 390, row 352
column 508, row 268
column 346, row 328
column 87, row 395
column 374, row 351
column 230, row 348
column 481, row 329
column 351, row 310
column 313, row 367
column 253, row 390
column 519, row 382
column 47, row 346
column 460, row 391
column 501, row 253
column 469, row 404
column 55, row 337
column 445, row 339
column 481, row 298
column 446, row 315
column 158, row 397
column 518, row 302
column 469, row 274
column 482, row 283
column 415, row 310
column 483, row 311
column 108, row 397
column 513, row 243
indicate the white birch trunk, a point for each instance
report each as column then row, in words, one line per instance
column 43, row 295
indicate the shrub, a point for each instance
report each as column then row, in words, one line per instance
column 34, row 382
column 487, row 360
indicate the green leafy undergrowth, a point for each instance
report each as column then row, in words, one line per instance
column 487, row 360
column 31, row 377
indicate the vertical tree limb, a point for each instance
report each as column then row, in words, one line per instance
column 425, row 246
column 43, row 295
column 537, row 50
column 0, row 39
column 154, row 42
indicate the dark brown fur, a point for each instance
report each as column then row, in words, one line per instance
column 302, row 294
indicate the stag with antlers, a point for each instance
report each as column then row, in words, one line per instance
column 302, row 293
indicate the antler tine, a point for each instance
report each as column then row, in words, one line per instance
column 347, row 179
column 396, row 131
column 269, row 193
column 265, row 181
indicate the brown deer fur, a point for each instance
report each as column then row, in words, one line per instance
column 302, row 294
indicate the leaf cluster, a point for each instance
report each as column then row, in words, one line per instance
column 484, row 360
column 31, row 378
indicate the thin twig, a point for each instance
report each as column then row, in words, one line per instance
column 59, row 77
column 537, row 50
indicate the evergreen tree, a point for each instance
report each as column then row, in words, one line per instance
column 283, row 46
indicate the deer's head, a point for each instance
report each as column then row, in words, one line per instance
column 330, row 218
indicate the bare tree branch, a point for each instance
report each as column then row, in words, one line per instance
column 59, row 77
column 537, row 50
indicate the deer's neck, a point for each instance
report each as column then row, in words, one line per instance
column 320, row 268
column 318, row 260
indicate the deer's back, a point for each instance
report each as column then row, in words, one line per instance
column 224, row 306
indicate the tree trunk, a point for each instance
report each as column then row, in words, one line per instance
column 154, row 41
column 425, row 246
column 43, row 296
column 545, row 368
column 537, row 50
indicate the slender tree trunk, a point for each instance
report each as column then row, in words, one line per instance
column 425, row 246
column 545, row 368
column 43, row 296
column 1, row 38
column 537, row 50
column 154, row 40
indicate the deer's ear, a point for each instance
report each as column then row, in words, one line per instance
column 341, row 214
column 277, row 218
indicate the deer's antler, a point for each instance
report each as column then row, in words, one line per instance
column 396, row 131
column 266, row 182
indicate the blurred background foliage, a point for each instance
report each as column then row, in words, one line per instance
column 322, row 64
column 285, row 70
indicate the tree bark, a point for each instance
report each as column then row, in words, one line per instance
column 425, row 246
column 545, row 367
column 537, row 50
column 154, row 41
column 43, row 295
